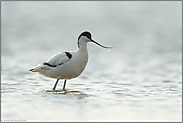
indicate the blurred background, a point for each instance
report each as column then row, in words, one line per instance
column 138, row 80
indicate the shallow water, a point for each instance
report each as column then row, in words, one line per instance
column 138, row 80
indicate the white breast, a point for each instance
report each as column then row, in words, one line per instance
column 71, row 68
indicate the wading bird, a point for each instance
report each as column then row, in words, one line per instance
column 67, row 65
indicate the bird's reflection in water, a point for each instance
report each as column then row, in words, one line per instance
column 64, row 92
column 80, row 95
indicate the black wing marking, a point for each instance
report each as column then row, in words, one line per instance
column 68, row 55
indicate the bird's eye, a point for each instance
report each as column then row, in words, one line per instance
column 41, row 68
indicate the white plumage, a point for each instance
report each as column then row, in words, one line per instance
column 58, row 59
column 67, row 65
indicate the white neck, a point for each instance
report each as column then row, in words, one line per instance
column 83, row 52
column 82, row 46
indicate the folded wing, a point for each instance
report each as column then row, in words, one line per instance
column 57, row 60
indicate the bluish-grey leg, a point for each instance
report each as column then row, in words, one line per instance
column 56, row 83
column 64, row 84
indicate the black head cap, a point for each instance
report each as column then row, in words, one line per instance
column 87, row 34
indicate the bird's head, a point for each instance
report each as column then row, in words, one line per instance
column 86, row 37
